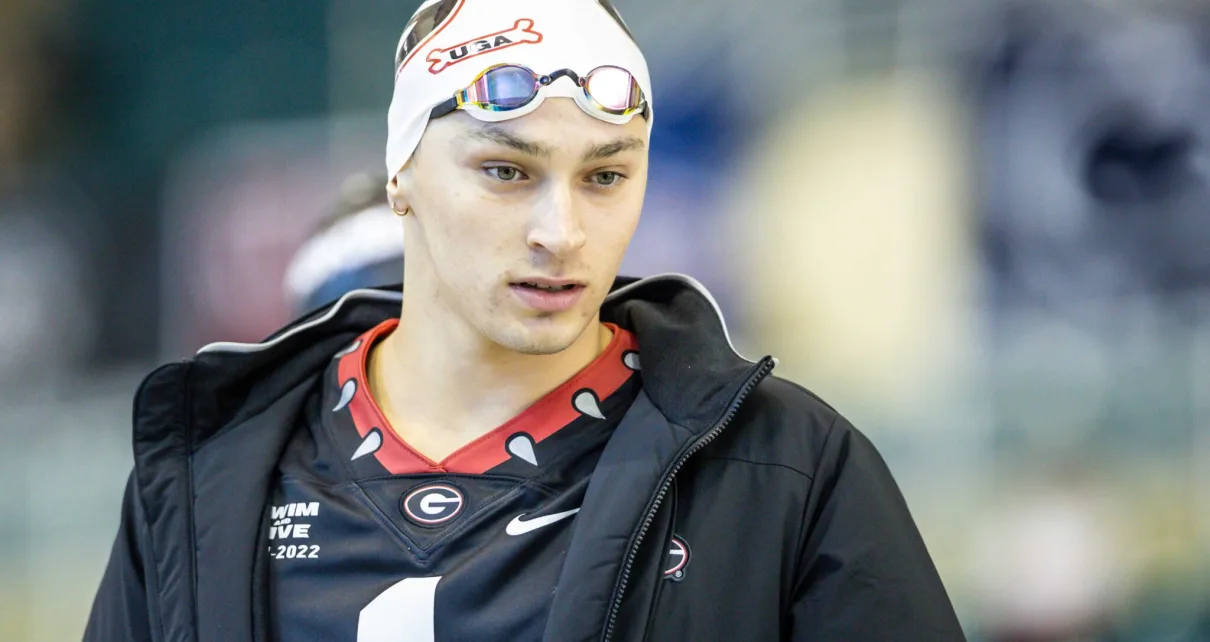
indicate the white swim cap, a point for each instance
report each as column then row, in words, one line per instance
column 448, row 43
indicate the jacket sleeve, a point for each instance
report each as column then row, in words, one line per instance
column 864, row 572
column 120, row 610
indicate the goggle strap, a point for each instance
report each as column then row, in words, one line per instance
column 446, row 108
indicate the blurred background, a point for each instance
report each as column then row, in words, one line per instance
column 980, row 229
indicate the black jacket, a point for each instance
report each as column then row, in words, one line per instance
column 798, row 531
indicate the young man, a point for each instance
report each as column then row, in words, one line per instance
column 523, row 447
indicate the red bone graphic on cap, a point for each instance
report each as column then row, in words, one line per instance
column 521, row 32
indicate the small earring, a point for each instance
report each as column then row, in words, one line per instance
column 403, row 213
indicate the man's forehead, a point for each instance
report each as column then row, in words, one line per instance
column 586, row 142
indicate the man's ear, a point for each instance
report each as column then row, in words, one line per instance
column 399, row 190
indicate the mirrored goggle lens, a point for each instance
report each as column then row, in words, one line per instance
column 614, row 90
column 503, row 88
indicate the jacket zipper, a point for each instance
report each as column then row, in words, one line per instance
column 766, row 366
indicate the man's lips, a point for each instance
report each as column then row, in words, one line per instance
column 548, row 295
column 548, row 283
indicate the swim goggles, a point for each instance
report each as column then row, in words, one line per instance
column 507, row 91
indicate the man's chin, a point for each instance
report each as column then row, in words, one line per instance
column 542, row 336
column 537, row 345
column 538, row 349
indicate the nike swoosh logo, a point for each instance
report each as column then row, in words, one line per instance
column 518, row 527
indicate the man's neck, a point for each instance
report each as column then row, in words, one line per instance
column 441, row 392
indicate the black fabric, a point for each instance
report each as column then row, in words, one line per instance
column 606, row 526
column 795, row 527
column 358, row 523
column 860, row 547
column 163, row 494
column 122, row 610
column 227, row 524
column 638, row 600
column 260, row 591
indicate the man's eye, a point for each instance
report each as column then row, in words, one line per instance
column 505, row 173
column 606, row 179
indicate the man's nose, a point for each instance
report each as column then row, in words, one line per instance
column 555, row 225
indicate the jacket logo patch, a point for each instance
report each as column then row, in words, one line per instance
column 433, row 504
column 522, row 32
column 676, row 562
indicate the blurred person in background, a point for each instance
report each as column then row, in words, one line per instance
column 524, row 445
column 357, row 247
column 1093, row 169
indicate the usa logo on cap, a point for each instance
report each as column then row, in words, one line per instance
column 522, row 32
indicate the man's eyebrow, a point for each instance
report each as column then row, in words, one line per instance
column 605, row 150
column 498, row 136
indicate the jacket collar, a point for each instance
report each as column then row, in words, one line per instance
column 688, row 358
column 689, row 362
